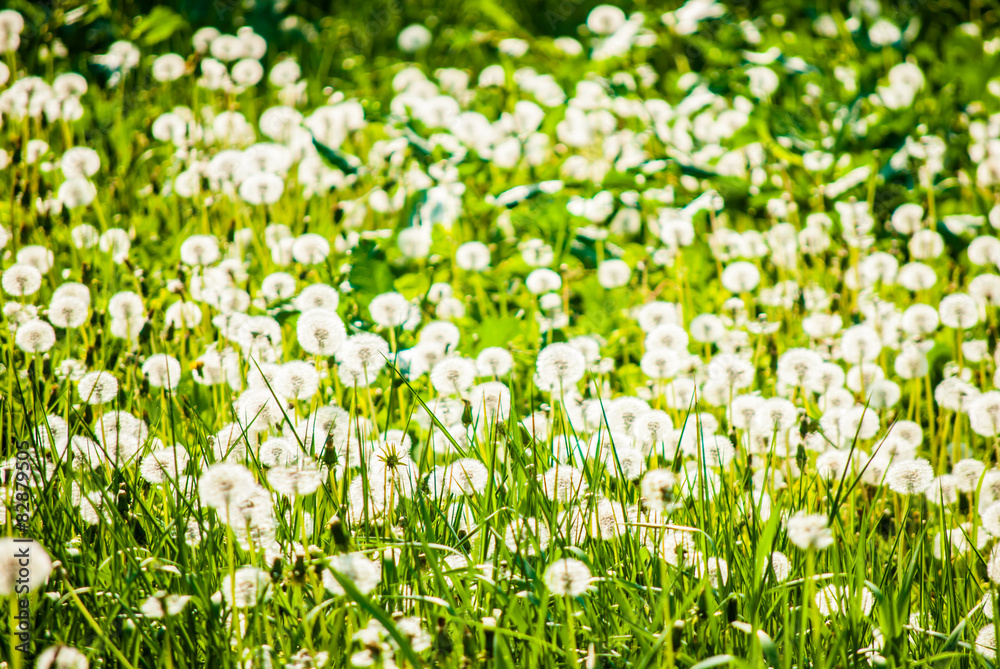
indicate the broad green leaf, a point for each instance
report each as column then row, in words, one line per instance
column 158, row 26
column 716, row 661
column 344, row 162
column 499, row 331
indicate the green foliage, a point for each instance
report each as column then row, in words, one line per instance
column 157, row 26
column 479, row 594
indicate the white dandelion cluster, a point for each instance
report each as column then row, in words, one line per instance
column 680, row 310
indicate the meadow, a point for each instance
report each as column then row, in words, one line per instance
column 499, row 334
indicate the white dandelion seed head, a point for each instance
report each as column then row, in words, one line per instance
column 775, row 415
column 165, row 464
column 990, row 519
column 161, row 605
column 605, row 19
column 992, row 562
column 667, row 336
column 298, row 480
column 943, row 490
column 35, row 336
column 126, row 305
column 297, row 380
column 490, row 404
column 80, row 162
column 809, row 531
column 39, row 257
column 390, row 310
column 258, row 409
column 20, row 280
column 413, row 38
column 357, row 569
column 162, row 371
column 246, row 588
column 654, row 314
column 986, row 642
column 651, row 429
column 608, row 519
column 466, row 476
column 677, row 547
column 859, row 421
column 910, row 477
column 200, row 250
column 984, row 414
column 262, row 188
column 494, row 361
column 61, row 657
column 833, row 600
column 568, row 577
column 453, row 375
column 658, row 490
column 780, row 565
column 472, row 256
column 365, row 353
column 559, row 366
column 52, row 433
column 543, row 280
column 526, row 536
column 628, row 461
column 715, row 569
column 121, row 436
column 224, row 484
column 442, row 334
column 11, row 568
column 660, row 363
column 310, row 249
column 320, row 332
column 860, row 343
column 959, row 311
column 317, row 296
column 613, row 273
column 278, row 451
column 67, row 312
column 967, row 474
column 563, row 483
column 740, row 277
column 622, row 412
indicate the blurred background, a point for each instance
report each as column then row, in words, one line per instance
column 363, row 32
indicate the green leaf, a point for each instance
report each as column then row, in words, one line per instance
column 376, row 612
column 954, row 242
column 103, row 73
column 496, row 13
column 716, row 661
column 584, row 249
column 413, row 284
column 370, row 272
column 768, row 648
column 514, row 196
column 158, row 26
column 499, row 331
column 421, row 145
column 951, row 643
column 344, row 162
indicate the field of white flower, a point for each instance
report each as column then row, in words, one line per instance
column 499, row 335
